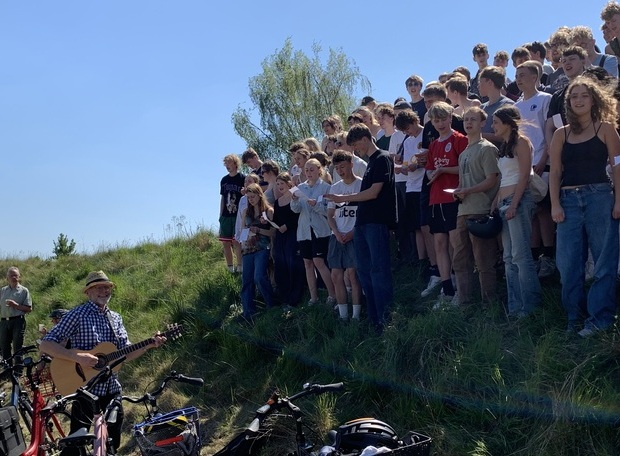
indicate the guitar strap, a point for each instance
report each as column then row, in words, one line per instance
column 108, row 316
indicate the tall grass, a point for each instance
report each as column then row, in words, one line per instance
column 476, row 382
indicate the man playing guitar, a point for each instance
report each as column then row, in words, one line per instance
column 88, row 326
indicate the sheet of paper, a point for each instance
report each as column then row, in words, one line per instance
column 264, row 214
column 557, row 121
column 298, row 193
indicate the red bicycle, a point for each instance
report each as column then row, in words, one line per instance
column 30, row 399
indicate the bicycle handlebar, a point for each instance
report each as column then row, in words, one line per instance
column 150, row 397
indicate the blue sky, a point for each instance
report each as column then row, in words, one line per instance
column 115, row 115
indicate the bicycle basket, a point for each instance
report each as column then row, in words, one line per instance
column 43, row 378
column 413, row 444
column 175, row 433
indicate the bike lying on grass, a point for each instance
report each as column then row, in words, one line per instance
column 175, row 433
column 353, row 438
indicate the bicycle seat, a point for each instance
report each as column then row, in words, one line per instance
column 79, row 438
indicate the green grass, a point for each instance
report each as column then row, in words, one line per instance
column 475, row 382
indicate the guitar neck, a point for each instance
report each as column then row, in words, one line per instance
column 129, row 349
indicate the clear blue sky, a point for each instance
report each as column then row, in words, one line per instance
column 114, row 115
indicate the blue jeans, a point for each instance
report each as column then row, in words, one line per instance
column 372, row 253
column 521, row 278
column 255, row 273
column 587, row 212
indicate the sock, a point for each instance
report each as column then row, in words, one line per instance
column 433, row 270
column 343, row 309
column 448, row 289
column 357, row 309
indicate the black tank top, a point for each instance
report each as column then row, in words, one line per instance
column 283, row 215
column 585, row 162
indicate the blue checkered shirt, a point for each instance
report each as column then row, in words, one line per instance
column 86, row 326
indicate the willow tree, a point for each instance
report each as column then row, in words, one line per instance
column 293, row 94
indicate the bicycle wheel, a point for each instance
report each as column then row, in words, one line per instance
column 56, row 427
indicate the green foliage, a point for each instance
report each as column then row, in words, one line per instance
column 476, row 382
column 293, row 94
column 63, row 246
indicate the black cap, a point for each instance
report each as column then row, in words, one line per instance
column 58, row 313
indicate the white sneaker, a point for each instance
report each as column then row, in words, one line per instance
column 446, row 302
column 433, row 283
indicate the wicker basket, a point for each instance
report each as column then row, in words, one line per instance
column 172, row 434
column 43, row 378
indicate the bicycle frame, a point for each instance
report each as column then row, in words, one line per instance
column 250, row 441
column 43, row 422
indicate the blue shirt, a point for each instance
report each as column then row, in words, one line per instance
column 85, row 327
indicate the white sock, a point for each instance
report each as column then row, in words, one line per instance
column 343, row 309
column 357, row 308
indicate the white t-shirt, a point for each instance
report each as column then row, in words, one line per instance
column 396, row 140
column 345, row 213
column 534, row 115
column 414, row 178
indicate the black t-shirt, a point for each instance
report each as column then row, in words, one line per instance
column 230, row 189
column 419, row 108
column 384, row 142
column 556, row 105
column 383, row 208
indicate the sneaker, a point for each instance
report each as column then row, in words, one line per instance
column 313, row 302
column 446, row 302
column 231, row 269
column 433, row 283
column 547, row 266
column 587, row 332
column 331, row 301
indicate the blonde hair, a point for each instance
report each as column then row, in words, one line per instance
column 234, row 158
column 313, row 144
column 440, row 110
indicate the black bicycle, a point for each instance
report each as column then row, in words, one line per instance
column 175, row 433
column 350, row 439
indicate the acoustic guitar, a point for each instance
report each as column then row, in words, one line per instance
column 68, row 376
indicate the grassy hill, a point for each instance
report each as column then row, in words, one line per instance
column 474, row 381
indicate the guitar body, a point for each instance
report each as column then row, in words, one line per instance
column 69, row 376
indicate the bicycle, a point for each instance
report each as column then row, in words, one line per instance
column 44, row 432
column 175, row 433
column 350, row 439
column 82, row 440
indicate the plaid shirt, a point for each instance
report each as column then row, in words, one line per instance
column 86, row 326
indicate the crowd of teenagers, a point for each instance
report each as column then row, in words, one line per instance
column 539, row 154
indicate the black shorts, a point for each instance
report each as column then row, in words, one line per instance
column 314, row 248
column 443, row 217
column 425, row 195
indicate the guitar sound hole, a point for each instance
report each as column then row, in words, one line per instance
column 101, row 363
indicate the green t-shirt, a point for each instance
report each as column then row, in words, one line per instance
column 476, row 162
